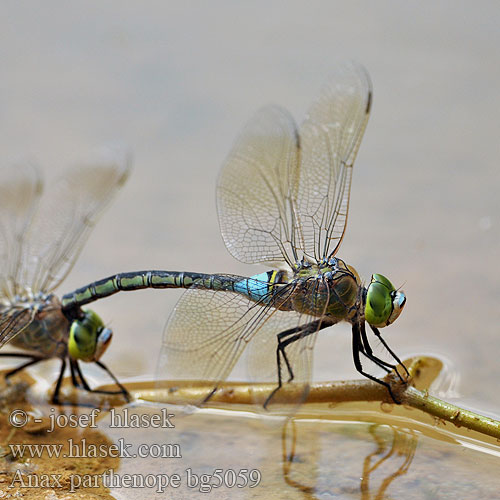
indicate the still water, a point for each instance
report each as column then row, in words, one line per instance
column 176, row 82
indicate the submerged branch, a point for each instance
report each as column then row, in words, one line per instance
column 451, row 413
column 413, row 394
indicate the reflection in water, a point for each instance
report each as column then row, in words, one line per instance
column 289, row 427
column 403, row 445
column 395, row 450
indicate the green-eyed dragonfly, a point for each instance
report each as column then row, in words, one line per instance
column 282, row 197
column 40, row 239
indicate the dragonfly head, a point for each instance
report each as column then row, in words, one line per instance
column 88, row 337
column 383, row 302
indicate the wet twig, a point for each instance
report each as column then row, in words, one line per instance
column 413, row 394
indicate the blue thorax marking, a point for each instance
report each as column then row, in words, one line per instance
column 256, row 288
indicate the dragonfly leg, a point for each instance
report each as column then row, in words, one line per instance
column 389, row 350
column 280, row 383
column 122, row 390
column 31, row 361
column 77, row 377
column 280, row 353
column 366, row 349
column 74, row 380
column 210, row 394
column 55, row 397
column 357, row 347
column 19, row 355
column 79, row 382
column 76, row 373
column 284, row 339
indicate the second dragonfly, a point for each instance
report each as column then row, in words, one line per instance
column 282, row 197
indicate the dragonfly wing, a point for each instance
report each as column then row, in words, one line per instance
column 14, row 320
column 262, row 356
column 209, row 330
column 261, row 359
column 20, row 189
column 66, row 216
column 256, row 188
column 330, row 137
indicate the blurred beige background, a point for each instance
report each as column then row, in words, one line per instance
column 177, row 80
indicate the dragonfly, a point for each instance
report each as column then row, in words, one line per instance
column 283, row 200
column 40, row 240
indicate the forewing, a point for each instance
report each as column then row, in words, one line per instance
column 66, row 215
column 330, row 137
column 20, row 189
column 255, row 189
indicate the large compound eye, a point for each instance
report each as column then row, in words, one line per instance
column 88, row 338
column 398, row 303
column 383, row 303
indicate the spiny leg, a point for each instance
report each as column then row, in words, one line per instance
column 292, row 335
column 80, row 382
column 32, row 359
column 210, row 394
column 74, row 380
column 366, row 349
column 279, row 353
column 277, row 297
column 76, row 374
column 122, row 390
column 357, row 347
column 284, row 339
column 55, row 397
column 389, row 350
column 75, row 367
column 18, row 355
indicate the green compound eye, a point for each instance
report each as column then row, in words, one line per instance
column 383, row 303
column 88, row 338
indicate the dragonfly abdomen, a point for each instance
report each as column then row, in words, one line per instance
column 146, row 279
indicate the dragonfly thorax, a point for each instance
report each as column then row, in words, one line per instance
column 331, row 289
column 47, row 334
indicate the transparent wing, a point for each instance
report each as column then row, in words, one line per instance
column 13, row 320
column 261, row 360
column 298, row 338
column 65, row 217
column 275, row 200
column 256, row 187
column 20, row 189
column 209, row 330
column 330, row 137
column 295, row 360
